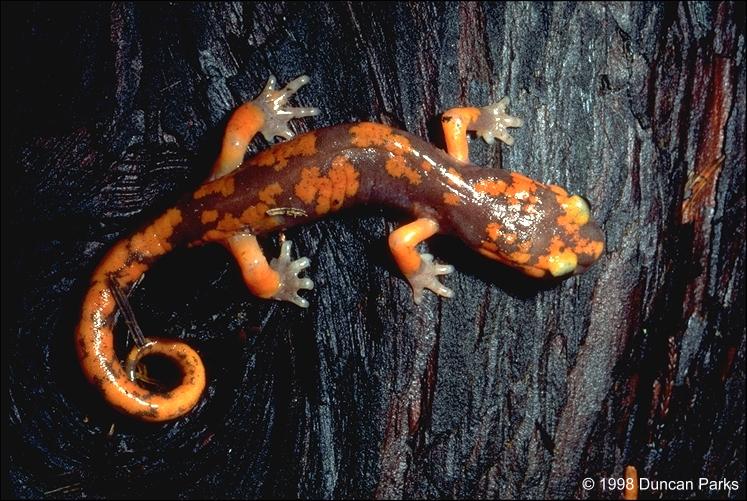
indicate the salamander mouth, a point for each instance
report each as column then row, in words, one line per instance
column 532, row 271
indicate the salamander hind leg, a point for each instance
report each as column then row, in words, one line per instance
column 278, row 279
column 288, row 270
column 266, row 114
column 419, row 269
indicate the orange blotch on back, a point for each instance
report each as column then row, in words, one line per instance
column 569, row 225
column 555, row 248
column 278, row 155
column 328, row 191
column 268, row 194
column 490, row 186
column 229, row 223
column 209, row 216
column 223, row 185
column 256, row 217
column 213, row 235
column 558, row 260
column 493, row 230
column 344, row 179
column 368, row 134
column 306, row 188
column 521, row 187
column 397, row 167
column 451, row 199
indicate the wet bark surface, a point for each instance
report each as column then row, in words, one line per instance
column 514, row 388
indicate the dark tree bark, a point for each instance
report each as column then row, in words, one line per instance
column 513, row 389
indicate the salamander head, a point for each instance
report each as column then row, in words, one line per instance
column 536, row 228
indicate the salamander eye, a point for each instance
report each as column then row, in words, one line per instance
column 577, row 208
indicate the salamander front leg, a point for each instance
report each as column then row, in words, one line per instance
column 277, row 280
column 419, row 269
column 490, row 122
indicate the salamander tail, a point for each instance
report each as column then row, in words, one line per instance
column 118, row 271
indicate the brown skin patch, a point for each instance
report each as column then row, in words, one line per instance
column 427, row 167
column 451, row 199
column 223, row 186
column 209, row 216
column 278, row 155
column 397, row 167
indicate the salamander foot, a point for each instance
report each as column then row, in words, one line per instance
column 272, row 102
column 494, row 121
column 427, row 278
column 290, row 282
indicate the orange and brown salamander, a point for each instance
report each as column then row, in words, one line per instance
column 537, row 228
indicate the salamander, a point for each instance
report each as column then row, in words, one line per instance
column 539, row 229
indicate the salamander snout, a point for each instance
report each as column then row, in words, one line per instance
column 591, row 233
column 580, row 240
